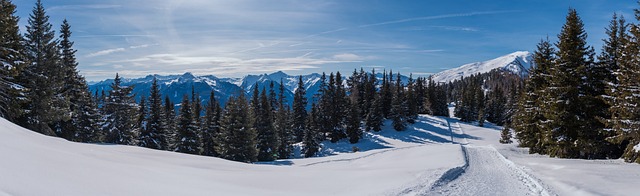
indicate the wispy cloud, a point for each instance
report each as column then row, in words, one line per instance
column 437, row 17
column 76, row 7
column 106, row 52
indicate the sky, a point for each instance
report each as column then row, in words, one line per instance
column 233, row 38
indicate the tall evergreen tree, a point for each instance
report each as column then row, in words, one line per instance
column 411, row 101
column 120, row 114
column 47, row 104
column 282, row 125
column 84, row 120
column 567, row 91
column 154, row 136
column 398, row 107
column 311, row 141
column 141, row 117
column 530, row 123
column 375, row 117
column 13, row 58
column 299, row 111
column 170, row 119
column 267, row 139
column 188, row 140
column 238, row 137
column 625, row 104
column 353, row 123
column 211, row 130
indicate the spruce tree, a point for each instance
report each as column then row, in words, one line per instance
column 120, row 114
column 211, row 128
column 299, row 111
column 567, row 90
column 411, row 101
column 238, row 137
column 85, row 119
column 154, row 136
column 267, row 139
column 45, row 75
column 170, row 119
column 505, row 134
column 531, row 126
column 353, row 123
column 625, row 104
column 311, row 141
column 187, row 138
column 398, row 107
column 282, row 125
column 481, row 106
column 13, row 58
column 375, row 117
column 141, row 118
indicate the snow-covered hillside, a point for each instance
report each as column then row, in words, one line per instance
column 517, row 62
column 436, row 156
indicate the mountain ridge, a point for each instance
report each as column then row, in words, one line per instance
column 517, row 62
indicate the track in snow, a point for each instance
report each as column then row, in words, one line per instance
column 486, row 172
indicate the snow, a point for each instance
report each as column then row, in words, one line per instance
column 518, row 62
column 436, row 156
column 636, row 147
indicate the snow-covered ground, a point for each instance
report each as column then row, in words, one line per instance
column 420, row 161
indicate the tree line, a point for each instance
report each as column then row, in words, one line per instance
column 42, row 90
column 576, row 104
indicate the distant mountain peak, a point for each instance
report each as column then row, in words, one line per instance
column 517, row 62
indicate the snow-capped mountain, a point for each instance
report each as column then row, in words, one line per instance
column 517, row 62
column 176, row 86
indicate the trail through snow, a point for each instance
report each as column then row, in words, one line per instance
column 486, row 172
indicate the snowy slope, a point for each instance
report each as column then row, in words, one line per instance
column 33, row 164
column 517, row 62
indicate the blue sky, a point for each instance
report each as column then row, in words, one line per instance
column 233, row 38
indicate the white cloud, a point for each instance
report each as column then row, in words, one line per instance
column 106, row 52
column 347, row 57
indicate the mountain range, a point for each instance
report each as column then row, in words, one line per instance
column 177, row 86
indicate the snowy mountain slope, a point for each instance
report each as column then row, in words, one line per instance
column 34, row 164
column 517, row 62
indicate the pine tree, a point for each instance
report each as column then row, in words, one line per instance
column 210, row 133
column 238, row 137
column 45, row 76
column 311, row 141
column 481, row 106
column 496, row 109
column 154, row 136
column 411, row 101
column 13, row 58
column 141, row 118
column 567, row 90
column 120, row 114
column 299, row 111
column 505, row 134
column 267, row 139
column 375, row 117
column 84, row 120
column 625, row 104
column 386, row 94
column 187, row 130
column 282, row 126
column 354, row 132
column 398, row 107
column 197, row 107
column 170, row 119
